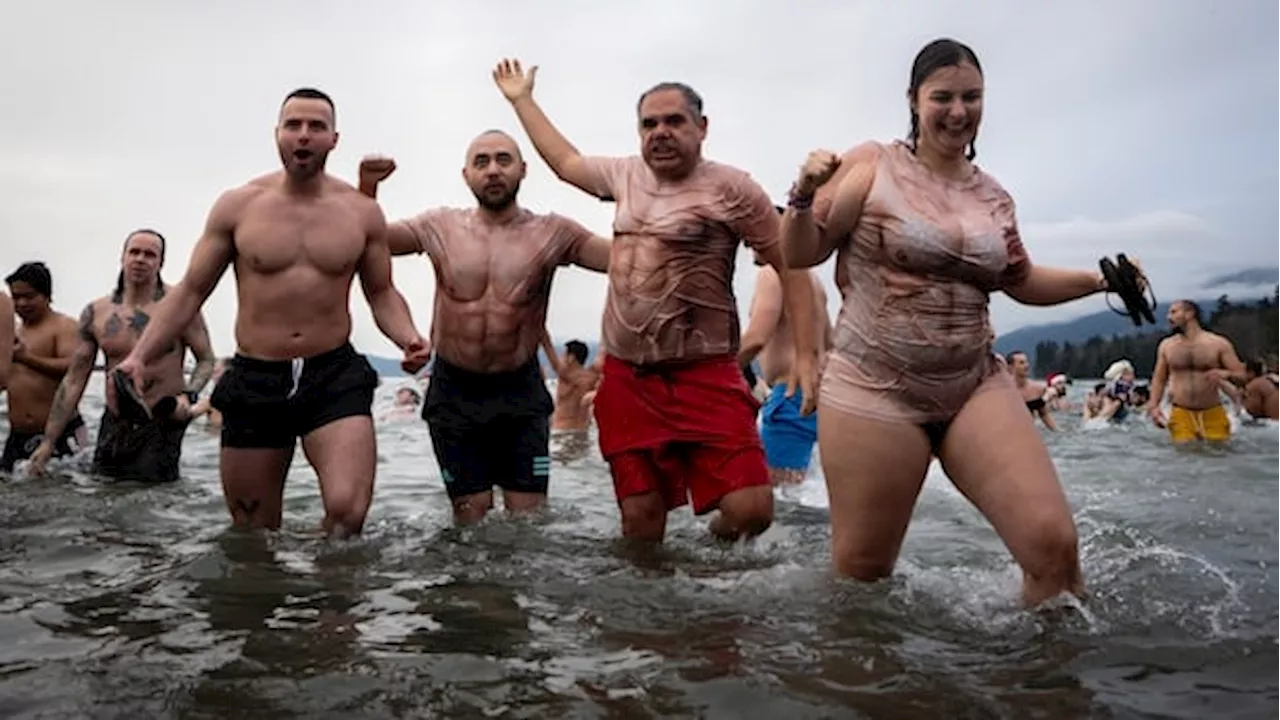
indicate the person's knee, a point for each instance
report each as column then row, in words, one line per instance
column 644, row 517
column 748, row 511
column 1054, row 550
column 346, row 508
column 472, row 508
column 856, row 561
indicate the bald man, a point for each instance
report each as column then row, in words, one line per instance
column 487, row 408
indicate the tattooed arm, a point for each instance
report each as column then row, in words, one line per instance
column 67, row 399
column 196, row 337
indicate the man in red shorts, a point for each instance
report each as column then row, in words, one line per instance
column 676, row 420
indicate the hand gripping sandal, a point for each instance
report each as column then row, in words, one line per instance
column 1128, row 281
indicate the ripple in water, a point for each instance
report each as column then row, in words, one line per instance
column 138, row 601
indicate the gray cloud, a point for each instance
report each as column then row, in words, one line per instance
column 1147, row 127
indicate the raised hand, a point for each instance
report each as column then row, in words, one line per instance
column 376, row 168
column 816, row 171
column 512, row 80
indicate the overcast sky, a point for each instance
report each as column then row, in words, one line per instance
column 1147, row 127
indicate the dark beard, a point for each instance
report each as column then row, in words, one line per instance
column 1179, row 330
column 503, row 202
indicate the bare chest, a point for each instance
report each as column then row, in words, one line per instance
column 276, row 235
column 39, row 341
column 1193, row 356
column 513, row 267
column 118, row 328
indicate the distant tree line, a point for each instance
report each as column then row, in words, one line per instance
column 1250, row 326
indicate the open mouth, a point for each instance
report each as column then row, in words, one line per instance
column 302, row 154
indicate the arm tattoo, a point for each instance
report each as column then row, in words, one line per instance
column 85, row 327
column 200, row 374
column 197, row 338
column 66, row 399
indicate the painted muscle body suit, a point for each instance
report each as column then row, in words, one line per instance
column 923, row 238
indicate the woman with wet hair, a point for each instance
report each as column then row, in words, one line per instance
column 923, row 237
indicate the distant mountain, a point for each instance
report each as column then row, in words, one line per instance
column 1249, row 276
column 1101, row 324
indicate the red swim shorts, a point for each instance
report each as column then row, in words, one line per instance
column 686, row 431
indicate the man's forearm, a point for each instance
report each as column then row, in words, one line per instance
column 801, row 239
column 391, row 314
column 546, row 139
column 201, row 373
column 51, row 367
column 66, row 401
column 799, row 297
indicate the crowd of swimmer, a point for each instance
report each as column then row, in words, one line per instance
column 922, row 236
column 1206, row 389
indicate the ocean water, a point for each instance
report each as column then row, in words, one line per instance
column 140, row 602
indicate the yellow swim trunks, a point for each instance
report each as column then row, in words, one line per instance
column 1211, row 424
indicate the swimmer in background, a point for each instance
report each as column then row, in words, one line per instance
column 1056, row 393
column 572, row 417
column 128, row 447
column 1120, row 378
column 403, row 407
column 1191, row 364
column 1094, row 402
column 1036, row 395
column 787, row 434
column 42, row 352
column 1140, row 398
column 1261, row 397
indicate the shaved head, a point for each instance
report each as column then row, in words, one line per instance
column 494, row 170
column 494, row 141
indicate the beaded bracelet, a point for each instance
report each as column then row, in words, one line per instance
column 796, row 201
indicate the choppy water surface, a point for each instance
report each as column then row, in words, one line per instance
column 126, row 601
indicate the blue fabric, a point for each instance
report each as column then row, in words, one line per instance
column 788, row 437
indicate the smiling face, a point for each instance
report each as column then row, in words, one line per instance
column 305, row 136
column 948, row 105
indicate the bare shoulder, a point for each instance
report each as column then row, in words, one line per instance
column 869, row 151
column 351, row 197
column 1165, row 344
column 1219, row 340
column 231, row 203
column 66, row 323
column 559, row 222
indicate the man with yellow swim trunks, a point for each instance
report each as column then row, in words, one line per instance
column 1192, row 363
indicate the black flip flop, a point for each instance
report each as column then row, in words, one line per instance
column 1126, row 280
column 129, row 403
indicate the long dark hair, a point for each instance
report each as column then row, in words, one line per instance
column 118, row 295
column 943, row 52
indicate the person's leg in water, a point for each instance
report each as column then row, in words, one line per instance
column 874, row 471
column 344, row 455
column 995, row 457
